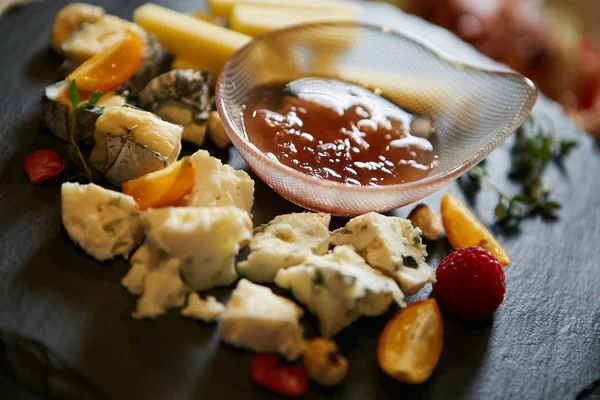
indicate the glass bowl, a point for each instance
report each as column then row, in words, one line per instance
column 474, row 110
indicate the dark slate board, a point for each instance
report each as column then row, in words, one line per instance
column 543, row 343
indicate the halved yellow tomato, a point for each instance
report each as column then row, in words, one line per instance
column 111, row 67
column 164, row 187
column 463, row 229
column 411, row 343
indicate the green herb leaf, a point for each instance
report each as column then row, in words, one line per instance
column 550, row 206
column 525, row 199
column 501, row 212
column 74, row 94
column 410, row 262
column 94, row 97
column 566, row 146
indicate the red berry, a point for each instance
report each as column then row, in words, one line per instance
column 470, row 283
column 266, row 370
column 43, row 164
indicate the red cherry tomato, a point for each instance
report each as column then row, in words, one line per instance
column 43, row 164
column 266, row 371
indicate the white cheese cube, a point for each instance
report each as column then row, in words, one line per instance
column 257, row 319
column 208, row 310
column 338, row 288
column 218, row 185
column 103, row 222
column 285, row 241
column 390, row 244
column 205, row 240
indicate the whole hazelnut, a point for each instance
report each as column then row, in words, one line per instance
column 324, row 363
column 423, row 217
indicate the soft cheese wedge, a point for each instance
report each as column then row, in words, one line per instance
column 285, row 241
column 224, row 8
column 195, row 40
column 390, row 244
column 131, row 143
column 255, row 19
column 104, row 223
column 257, row 319
column 338, row 288
column 181, row 97
column 218, row 184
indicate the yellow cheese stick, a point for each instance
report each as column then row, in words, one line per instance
column 252, row 20
column 196, row 41
column 223, row 8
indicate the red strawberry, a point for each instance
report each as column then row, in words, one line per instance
column 470, row 283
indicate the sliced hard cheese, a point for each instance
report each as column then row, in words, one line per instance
column 252, row 19
column 185, row 36
column 223, row 8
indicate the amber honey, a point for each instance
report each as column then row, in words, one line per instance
column 338, row 131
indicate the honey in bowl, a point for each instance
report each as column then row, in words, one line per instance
column 338, row 131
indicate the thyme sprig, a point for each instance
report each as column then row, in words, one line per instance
column 90, row 104
column 535, row 148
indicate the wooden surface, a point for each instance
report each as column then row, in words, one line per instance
column 543, row 343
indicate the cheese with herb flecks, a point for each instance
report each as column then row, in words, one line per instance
column 390, row 244
column 218, row 185
column 257, row 319
column 339, row 287
column 104, row 223
column 285, row 241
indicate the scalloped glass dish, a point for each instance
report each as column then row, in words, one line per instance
column 474, row 110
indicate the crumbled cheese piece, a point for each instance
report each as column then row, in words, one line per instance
column 339, row 287
column 163, row 288
column 218, row 185
column 390, row 244
column 204, row 239
column 133, row 281
column 103, row 222
column 257, row 319
column 285, row 241
column 208, row 310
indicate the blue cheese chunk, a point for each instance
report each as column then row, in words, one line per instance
column 204, row 239
column 338, row 288
column 285, row 241
column 218, row 185
column 257, row 319
column 163, row 287
column 390, row 244
column 207, row 310
column 104, row 223
column 187, row 249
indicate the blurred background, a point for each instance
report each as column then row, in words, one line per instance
column 553, row 42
